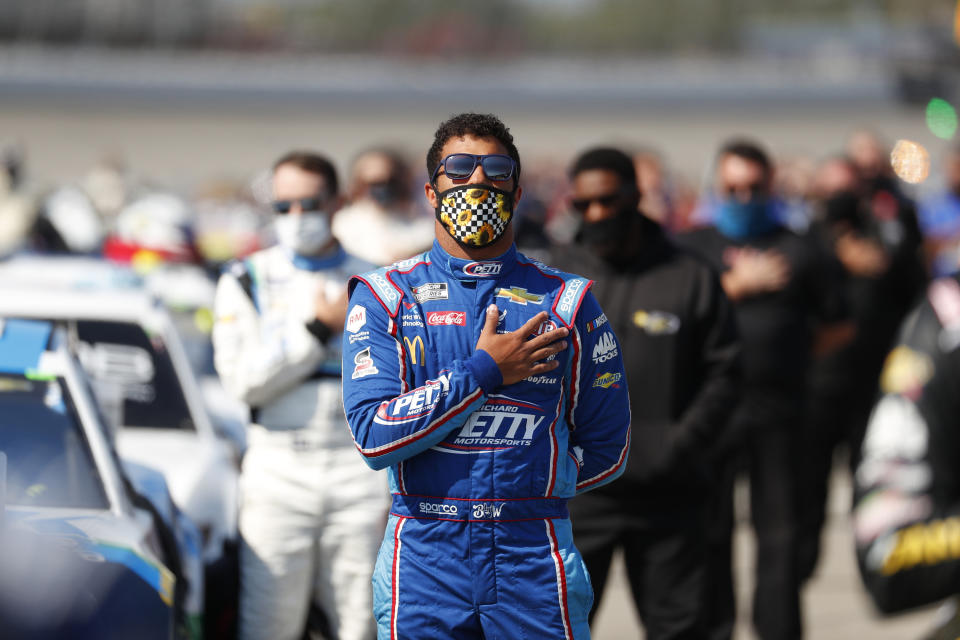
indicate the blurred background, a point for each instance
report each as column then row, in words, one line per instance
column 119, row 99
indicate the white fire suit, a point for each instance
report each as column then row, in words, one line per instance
column 312, row 513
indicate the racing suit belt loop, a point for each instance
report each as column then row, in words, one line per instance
column 478, row 509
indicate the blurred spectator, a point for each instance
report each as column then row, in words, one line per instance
column 871, row 156
column 883, row 277
column 907, row 491
column 312, row 513
column 680, row 351
column 781, row 290
column 940, row 220
column 67, row 222
column 381, row 224
column 154, row 228
column 18, row 210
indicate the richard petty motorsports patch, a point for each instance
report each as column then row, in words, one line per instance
column 501, row 423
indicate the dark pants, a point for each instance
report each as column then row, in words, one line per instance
column 769, row 456
column 663, row 553
column 837, row 417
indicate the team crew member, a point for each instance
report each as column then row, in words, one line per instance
column 311, row 512
column 475, row 376
column 782, row 288
column 907, row 488
column 680, row 352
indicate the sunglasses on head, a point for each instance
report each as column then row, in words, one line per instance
column 582, row 204
column 460, row 166
column 313, row 203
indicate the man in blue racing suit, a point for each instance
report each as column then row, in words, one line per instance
column 493, row 390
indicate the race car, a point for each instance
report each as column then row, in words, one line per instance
column 83, row 552
column 128, row 344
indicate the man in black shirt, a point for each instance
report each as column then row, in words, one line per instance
column 782, row 288
column 681, row 356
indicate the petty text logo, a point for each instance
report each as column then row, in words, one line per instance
column 414, row 404
column 415, row 347
column 365, row 365
column 566, row 301
column 607, row 380
column 487, row 510
column 440, row 318
column 501, row 423
column 430, row 291
column 605, row 349
column 519, row 295
column 656, row 323
column 483, row 269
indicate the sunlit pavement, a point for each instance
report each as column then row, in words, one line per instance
column 835, row 604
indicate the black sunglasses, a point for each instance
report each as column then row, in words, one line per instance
column 460, row 166
column 755, row 188
column 313, row 203
column 582, row 204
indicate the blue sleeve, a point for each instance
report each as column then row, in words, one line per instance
column 598, row 409
column 389, row 421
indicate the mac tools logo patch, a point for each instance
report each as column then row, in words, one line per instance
column 605, row 349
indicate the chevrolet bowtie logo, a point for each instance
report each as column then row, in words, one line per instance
column 518, row 295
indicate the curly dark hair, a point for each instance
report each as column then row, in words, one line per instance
column 480, row 125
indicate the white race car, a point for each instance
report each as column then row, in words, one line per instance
column 83, row 553
column 142, row 377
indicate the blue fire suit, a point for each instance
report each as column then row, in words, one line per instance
column 478, row 542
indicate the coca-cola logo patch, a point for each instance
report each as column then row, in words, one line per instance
column 436, row 318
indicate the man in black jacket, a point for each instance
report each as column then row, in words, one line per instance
column 788, row 298
column 681, row 353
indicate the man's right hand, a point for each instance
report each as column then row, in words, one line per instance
column 515, row 355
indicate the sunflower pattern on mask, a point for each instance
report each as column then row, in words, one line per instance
column 476, row 217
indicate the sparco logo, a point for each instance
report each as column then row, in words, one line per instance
column 484, row 510
column 566, row 301
column 447, row 317
column 605, row 349
column 384, row 287
column 433, row 507
column 483, row 269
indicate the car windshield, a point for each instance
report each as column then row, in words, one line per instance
column 49, row 463
column 133, row 376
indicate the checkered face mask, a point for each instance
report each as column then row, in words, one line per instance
column 475, row 215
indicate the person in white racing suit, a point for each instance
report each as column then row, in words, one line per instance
column 312, row 513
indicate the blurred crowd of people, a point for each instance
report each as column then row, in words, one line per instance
column 811, row 267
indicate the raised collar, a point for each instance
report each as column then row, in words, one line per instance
column 466, row 269
column 318, row 263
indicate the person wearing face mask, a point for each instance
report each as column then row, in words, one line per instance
column 681, row 354
column 381, row 223
column 492, row 391
column 311, row 513
column 883, row 276
column 787, row 295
